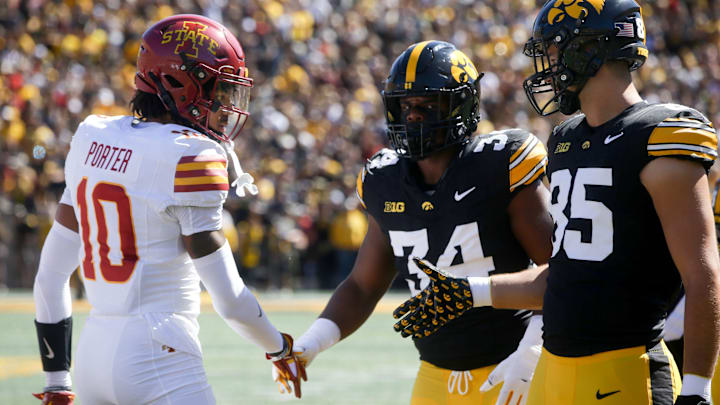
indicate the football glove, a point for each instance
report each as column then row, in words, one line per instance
column 517, row 370
column 443, row 300
column 675, row 322
column 287, row 368
column 56, row 396
column 691, row 400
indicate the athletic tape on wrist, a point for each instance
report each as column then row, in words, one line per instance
column 480, row 288
column 696, row 385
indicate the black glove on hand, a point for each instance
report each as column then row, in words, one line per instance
column 691, row 400
column 443, row 300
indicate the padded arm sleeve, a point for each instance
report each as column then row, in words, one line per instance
column 58, row 259
column 234, row 302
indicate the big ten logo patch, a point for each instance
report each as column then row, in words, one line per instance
column 394, row 206
column 562, row 147
column 189, row 38
column 462, row 68
column 574, row 9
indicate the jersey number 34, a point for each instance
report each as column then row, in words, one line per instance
column 465, row 240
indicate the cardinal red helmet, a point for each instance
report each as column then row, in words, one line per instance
column 196, row 66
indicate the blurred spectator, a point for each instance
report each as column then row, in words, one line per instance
column 347, row 232
column 316, row 114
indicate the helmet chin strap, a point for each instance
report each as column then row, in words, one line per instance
column 240, row 179
column 568, row 102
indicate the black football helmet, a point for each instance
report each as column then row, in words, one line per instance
column 586, row 34
column 432, row 69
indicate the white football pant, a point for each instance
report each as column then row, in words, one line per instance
column 118, row 363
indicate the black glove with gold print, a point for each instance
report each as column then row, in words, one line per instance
column 691, row 400
column 443, row 300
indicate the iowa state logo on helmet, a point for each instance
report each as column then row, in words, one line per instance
column 189, row 37
column 573, row 8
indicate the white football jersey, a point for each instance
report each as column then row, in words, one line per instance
column 122, row 178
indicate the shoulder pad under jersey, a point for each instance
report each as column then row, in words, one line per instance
column 567, row 124
column 382, row 161
column 526, row 154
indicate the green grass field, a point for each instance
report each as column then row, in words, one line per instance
column 373, row 366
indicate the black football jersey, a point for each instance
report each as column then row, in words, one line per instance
column 462, row 224
column 612, row 279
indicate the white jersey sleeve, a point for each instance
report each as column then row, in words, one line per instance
column 200, row 176
column 66, row 197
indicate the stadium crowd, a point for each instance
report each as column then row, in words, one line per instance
column 317, row 67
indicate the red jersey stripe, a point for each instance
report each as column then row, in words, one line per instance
column 201, row 187
column 202, row 158
column 200, row 173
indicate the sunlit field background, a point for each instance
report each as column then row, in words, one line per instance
column 372, row 366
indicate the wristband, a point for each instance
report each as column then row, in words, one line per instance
column 55, row 342
column 323, row 333
column 480, row 288
column 696, row 385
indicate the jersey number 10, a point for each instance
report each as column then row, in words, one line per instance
column 112, row 193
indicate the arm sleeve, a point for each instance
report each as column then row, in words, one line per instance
column 58, row 259
column 234, row 301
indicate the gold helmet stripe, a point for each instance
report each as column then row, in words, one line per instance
column 412, row 63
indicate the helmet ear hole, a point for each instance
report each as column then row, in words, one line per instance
column 208, row 87
column 173, row 81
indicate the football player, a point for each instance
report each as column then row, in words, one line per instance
column 473, row 203
column 632, row 218
column 142, row 216
column 674, row 325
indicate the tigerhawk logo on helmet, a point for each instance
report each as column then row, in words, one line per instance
column 573, row 9
column 462, row 68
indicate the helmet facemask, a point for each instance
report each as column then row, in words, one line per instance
column 228, row 94
column 451, row 123
column 560, row 63
column 572, row 40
